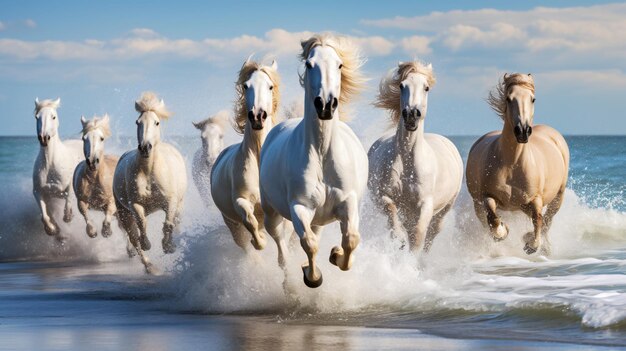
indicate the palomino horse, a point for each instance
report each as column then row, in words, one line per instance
column 93, row 177
column 314, row 169
column 150, row 178
column 511, row 170
column 235, row 175
column 413, row 175
column 54, row 166
column 212, row 135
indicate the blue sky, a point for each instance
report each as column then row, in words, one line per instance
column 99, row 56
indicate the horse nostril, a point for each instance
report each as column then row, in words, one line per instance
column 319, row 104
column 405, row 113
column 48, row 137
column 250, row 115
column 417, row 113
column 262, row 115
column 335, row 103
column 517, row 130
column 530, row 130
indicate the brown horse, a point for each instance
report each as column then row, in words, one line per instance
column 511, row 170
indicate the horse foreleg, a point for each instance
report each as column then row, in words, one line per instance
column 391, row 210
column 425, row 213
column 139, row 214
column 49, row 225
column 245, row 209
column 127, row 224
column 435, row 227
column 67, row 213
column 348, row 214
column 272, row 222
column 109, row 212
column 551, row 210
column 172, row 218
column 498, row 229
column 533, row 239
column 83, row 208
column 302, row 217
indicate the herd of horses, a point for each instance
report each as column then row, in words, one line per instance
column 304, row 173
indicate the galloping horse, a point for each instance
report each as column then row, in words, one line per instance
column 54, row 166
column 150, row 178
column 314, row 169
column 93, row 177
column 235, row 175
column 511, row 170
column 413, row 175
column 212, row 135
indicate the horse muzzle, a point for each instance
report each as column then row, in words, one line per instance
column 326, row 111
column 257, row 121
column 522, row 133
column 145, row 149
column 411, row 117
column 93, row 164
column 43, row 140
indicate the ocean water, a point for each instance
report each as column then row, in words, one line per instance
column 467, row 293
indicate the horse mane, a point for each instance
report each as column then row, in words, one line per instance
column 352, row 80
column 389, row 93
column 221, row 119
column 497, row 98
column 149, row 101
column 46, row 103
column 96, row 122
column 241, row 112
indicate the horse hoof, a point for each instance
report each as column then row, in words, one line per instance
column 258, row 244
column 501, row 232
column 335, row 253
column 106, row 230
column 145, row 243
column 529, row 249
column 152, row 270
column 312, row 283
column 168, row 246
column 91, row 231
column 131, row 252
column 67, row 217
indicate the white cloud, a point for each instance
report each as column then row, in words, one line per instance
column 30, row 23
column 577, row 29
column 416, row 45
column 143, row 42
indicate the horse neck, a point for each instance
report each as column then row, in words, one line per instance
column 146, row 164
column 253, row 140
column 408, row 143
column 318, row 133
column 511, row 150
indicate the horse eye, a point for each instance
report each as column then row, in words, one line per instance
column 54, row 117
column 309, row 65
column 340, row 65
column 427, row 88
column 157, row 123
column 245, row 87
column 271, row 87
column 101, row 138
column 533, row 100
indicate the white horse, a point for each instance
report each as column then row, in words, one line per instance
column 235, row 175
column 153, row 177
column 413, row 175
column 54, row 166
column 212, row 135
column 314, row 169
column 93, row 177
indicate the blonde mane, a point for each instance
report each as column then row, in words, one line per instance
column 241, row 111
column 149, row 101
column 497, row 98
column 352, row 80
column 389, row 94
column 221, row 119
column 46, row 103
column 96, row 122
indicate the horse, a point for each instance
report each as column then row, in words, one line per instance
column 314, row 169
column 212, row 135
column 235, row 174
column 93, row 177
column 54, row 167
column 150, row 178
column 513, row 171
column 413, row 175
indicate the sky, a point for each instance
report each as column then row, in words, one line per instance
column 99, row 56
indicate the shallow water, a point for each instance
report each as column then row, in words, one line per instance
column 468, row 293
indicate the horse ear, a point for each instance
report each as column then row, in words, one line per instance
column 274, row 65
column 57, row 102
column 105, row 118
column 36, row 101
column 137, row 106
column 248, row 59
column 198, row 125
column 430, row 67
column 505, row 76
column 400, row 63
column 83, row 120
column 161, row 103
